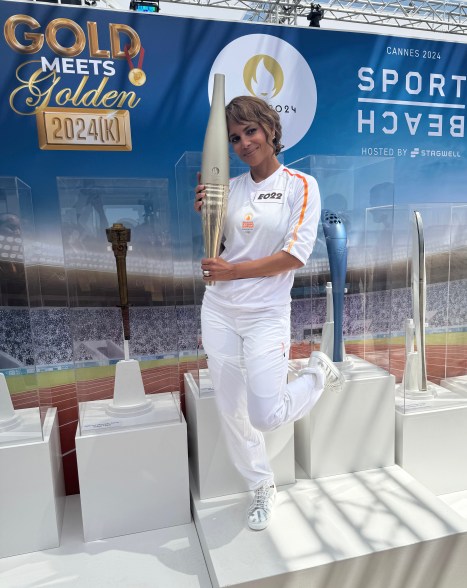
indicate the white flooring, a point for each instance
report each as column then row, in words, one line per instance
column 173, row 558
column 166, row 558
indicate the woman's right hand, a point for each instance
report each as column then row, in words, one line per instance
column 199, row 194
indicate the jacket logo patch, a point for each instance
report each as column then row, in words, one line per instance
column 248, row 224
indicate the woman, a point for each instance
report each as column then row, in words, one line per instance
column 270, row 230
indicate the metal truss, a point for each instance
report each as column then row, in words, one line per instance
column 432, row 15
column 442, row 16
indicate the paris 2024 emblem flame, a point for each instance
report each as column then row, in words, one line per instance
column 215, row 171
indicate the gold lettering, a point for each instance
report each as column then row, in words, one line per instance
column 86, row 100
column 66, row 93
column 135, row 43
column 109, row 99
column 93, row 37
column 79, row 89
column 81, row 129
column 109, row 123
column 131, row 97
column 65, row 23
column 37, row 99
column 37, row 89
column 96, row 97
column 37, row 39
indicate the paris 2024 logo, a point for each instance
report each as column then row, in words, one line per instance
column 272, row 69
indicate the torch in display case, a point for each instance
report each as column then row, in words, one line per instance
column 336, row 244
column 415, row 377
column 129, row 398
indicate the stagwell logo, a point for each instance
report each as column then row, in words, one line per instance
column 269, row 68
column 443, row 153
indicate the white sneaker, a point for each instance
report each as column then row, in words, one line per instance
column 334, row 378
column 260, row 511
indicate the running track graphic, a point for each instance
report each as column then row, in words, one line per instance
column 170, row 378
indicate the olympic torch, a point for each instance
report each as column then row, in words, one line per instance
column 419, row 296
column 415, row 381
column 215, row 171
column 336, row 244
column 129, row 399
column 119, row 236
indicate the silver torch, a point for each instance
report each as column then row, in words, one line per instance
column 419, row 295
column 215, row 171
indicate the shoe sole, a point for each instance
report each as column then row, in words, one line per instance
column 332, row 368
column 258, row 526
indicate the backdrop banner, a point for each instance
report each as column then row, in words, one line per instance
column 102, row 119
column 99, row 93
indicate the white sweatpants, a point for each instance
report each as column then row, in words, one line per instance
column 248, row 354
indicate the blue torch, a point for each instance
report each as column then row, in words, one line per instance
column 336, row 243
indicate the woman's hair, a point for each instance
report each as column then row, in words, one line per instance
column 247, row 109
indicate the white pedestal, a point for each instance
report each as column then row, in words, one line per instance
column 129, row 399
column 350, row 431
column 372, row 529
column 134, row 479
column 431, row 440
column 210, row 463
column 32, row 492
column 27, row 428
column 456, row 384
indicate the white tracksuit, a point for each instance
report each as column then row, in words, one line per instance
column 246, row 323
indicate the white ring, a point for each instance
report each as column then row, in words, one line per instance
column 206, row 273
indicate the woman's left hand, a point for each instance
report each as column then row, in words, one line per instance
column 216, row 269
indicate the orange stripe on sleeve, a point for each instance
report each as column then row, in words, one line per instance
column 302, row 212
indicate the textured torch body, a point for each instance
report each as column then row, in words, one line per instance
column 336, row 244
column 419, row 295
column 215, row 171
column 119, row 236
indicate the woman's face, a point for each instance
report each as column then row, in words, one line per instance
column 250, row 143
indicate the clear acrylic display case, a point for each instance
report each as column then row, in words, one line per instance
column 22, row 410
column 360, row 190
column 456, row 347
column 88, row 207
column 445, row 318
column 189, row 284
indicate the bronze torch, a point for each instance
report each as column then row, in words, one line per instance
column 120, row 236
column 215, row 171
column 129, row 399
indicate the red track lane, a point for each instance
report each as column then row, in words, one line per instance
column 170, row 378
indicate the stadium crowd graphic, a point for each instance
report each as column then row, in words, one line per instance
column 166, row 330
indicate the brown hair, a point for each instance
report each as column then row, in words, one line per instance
column 246, row 109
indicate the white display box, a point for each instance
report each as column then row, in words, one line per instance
column 32, row 491
column 27, row 428
column 210, row 462
column 431, row 440
column 133, row 479
column 372, row 529
column 352, row 430
column 457, row 384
